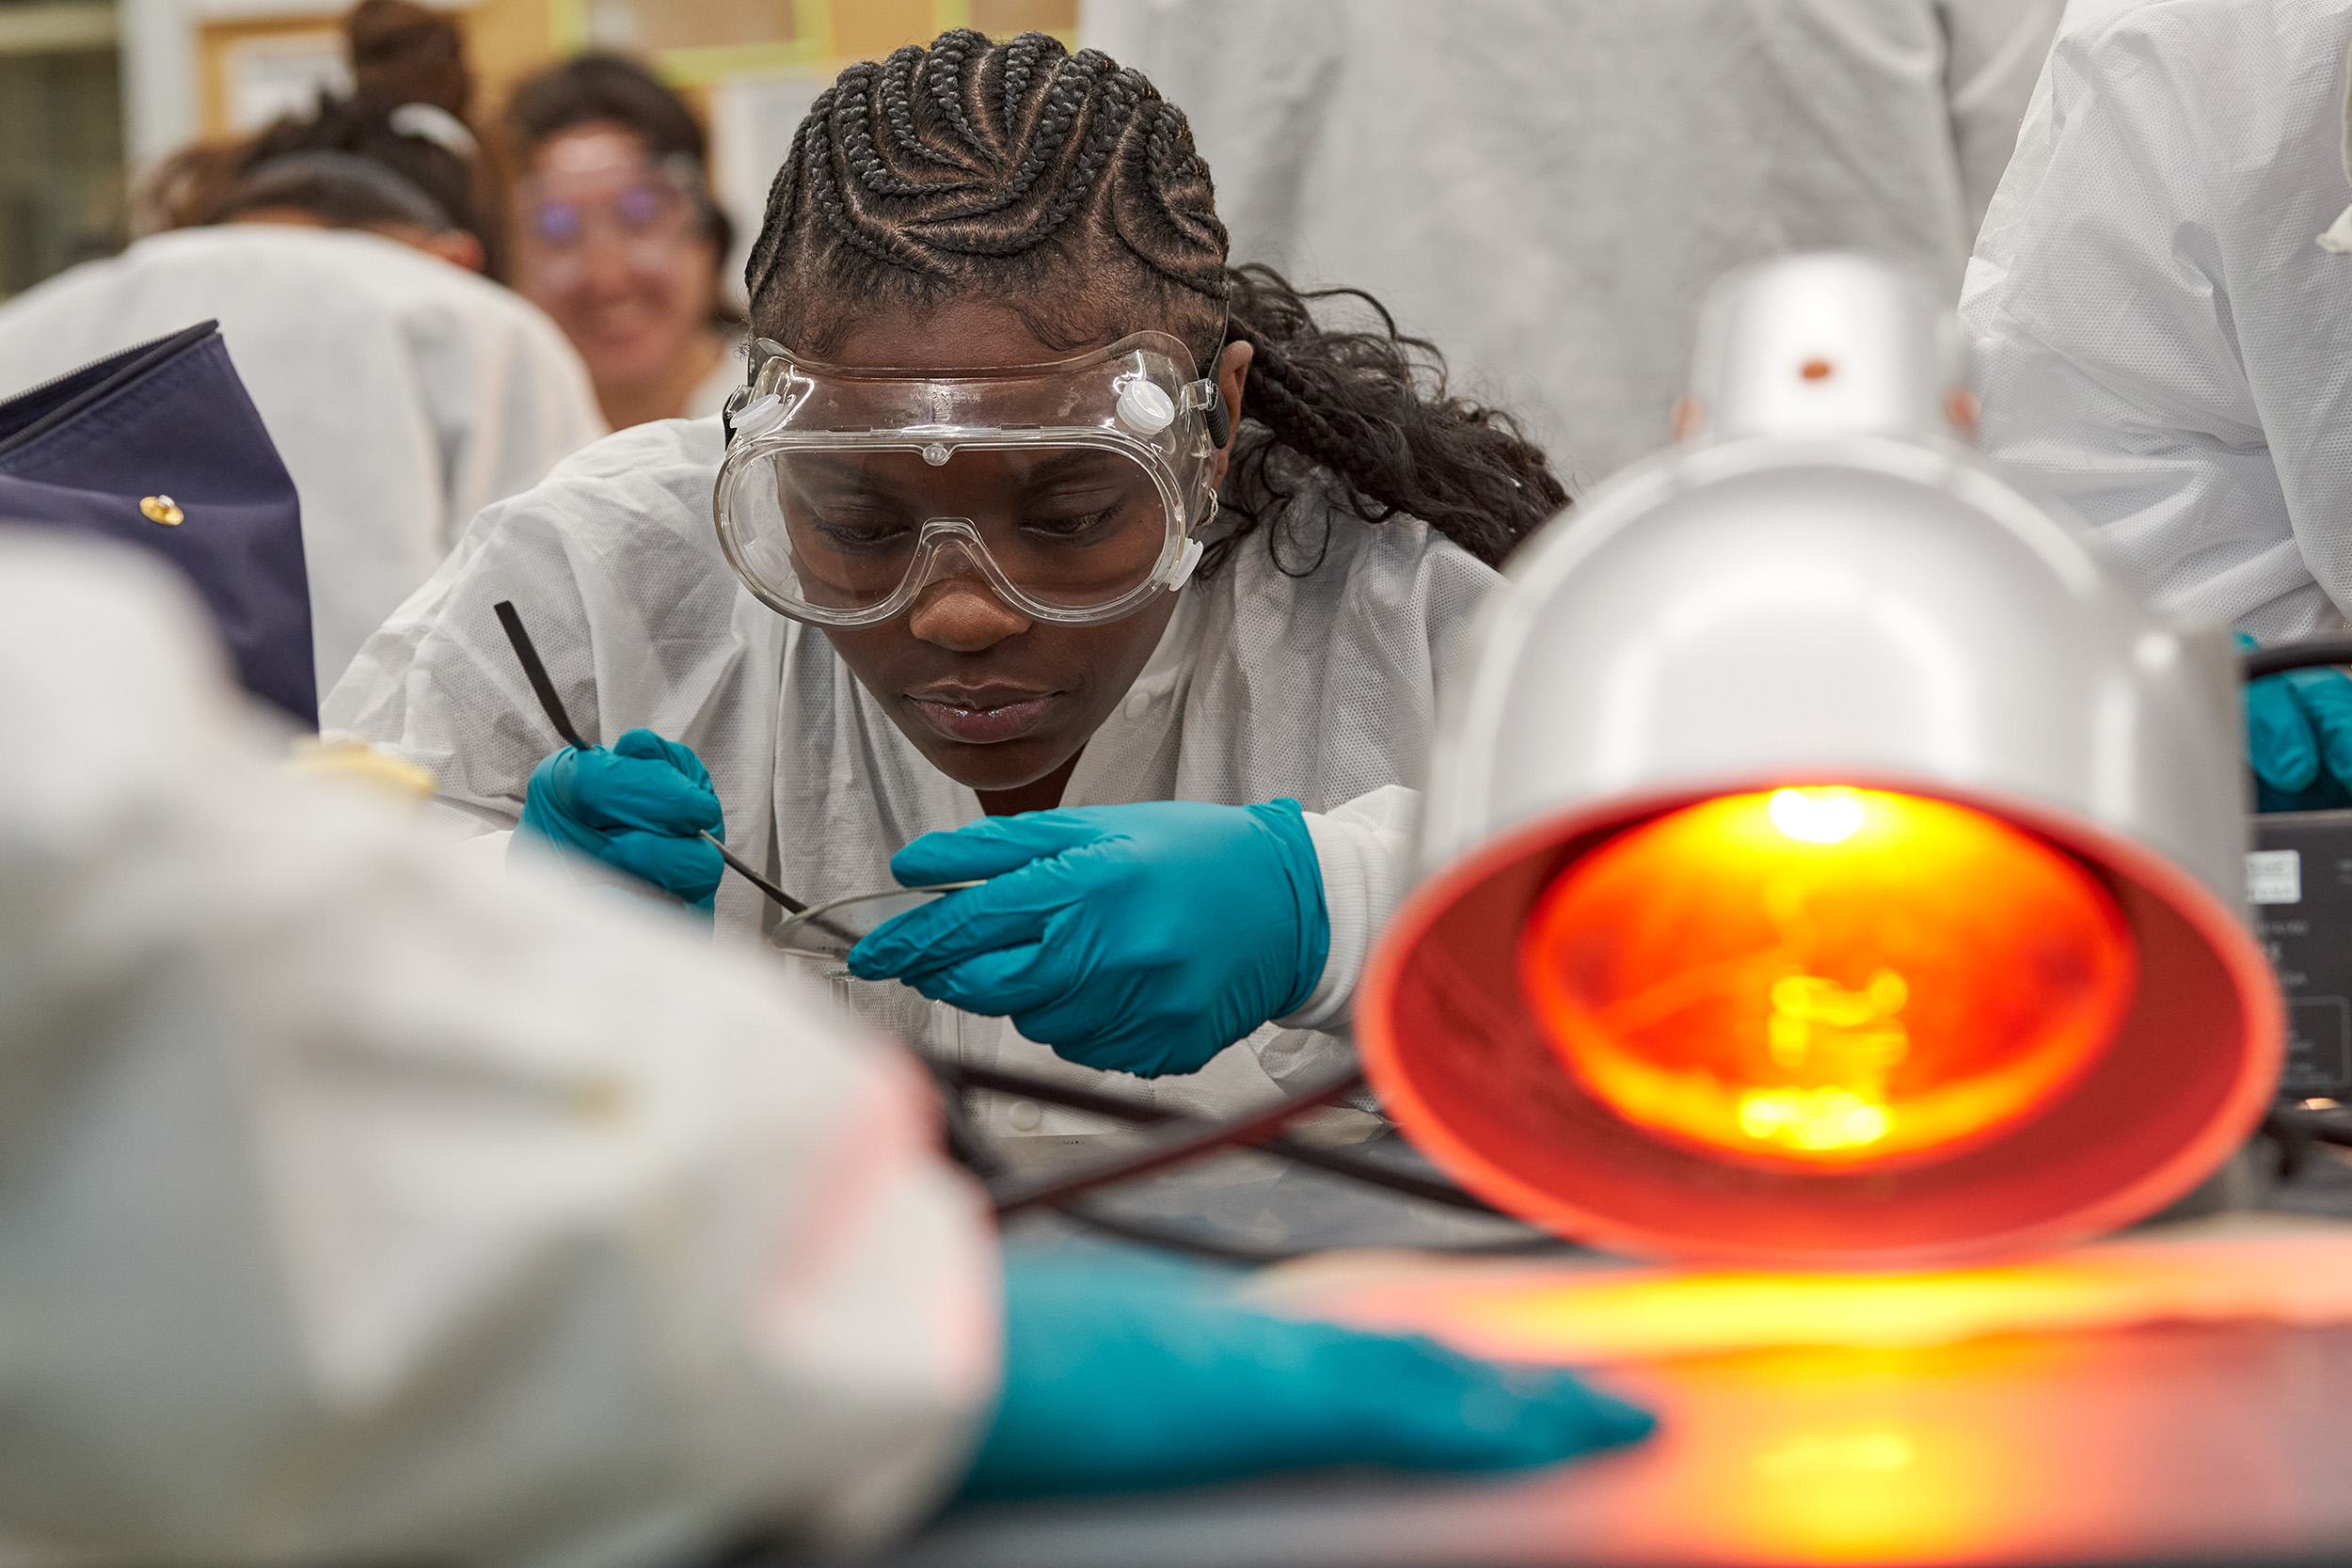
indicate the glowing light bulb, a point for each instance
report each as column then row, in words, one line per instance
column 1812, row 1120
column 1817, row 816
column 1830, row 978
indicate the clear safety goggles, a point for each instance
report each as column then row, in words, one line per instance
column 1074, row 490
column 640, row 211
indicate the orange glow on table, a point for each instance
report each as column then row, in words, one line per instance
column 2276, row 1270
column 2161, row 1396
column 1827, row 978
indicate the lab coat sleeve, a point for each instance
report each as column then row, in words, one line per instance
column 2100, row 307
column 362, row 1206
column 508, row 397
column 614, row 544
column 1363, row 848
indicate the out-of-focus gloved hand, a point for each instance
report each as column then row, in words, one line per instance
column 636, row 807
column 1123, row 1373
column 2298, row 735
column 1143, row 937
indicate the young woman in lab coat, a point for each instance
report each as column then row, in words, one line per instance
column 1181, row 586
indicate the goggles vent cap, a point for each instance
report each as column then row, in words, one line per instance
column 1145, row 407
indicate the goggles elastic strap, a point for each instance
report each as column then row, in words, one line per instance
column 1207, row 396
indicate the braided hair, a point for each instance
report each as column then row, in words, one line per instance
column 1065, row 188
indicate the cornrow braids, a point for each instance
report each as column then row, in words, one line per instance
column 1063, row 187
column 1020, row 60
column 944, row 67
column 897, row 81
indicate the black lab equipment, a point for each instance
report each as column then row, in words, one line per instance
column 159, row 447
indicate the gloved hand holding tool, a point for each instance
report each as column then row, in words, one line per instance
column 639, row 806
column 2298, row 737
column 620, row 816
column 1140, row 939
column 1123, row 1373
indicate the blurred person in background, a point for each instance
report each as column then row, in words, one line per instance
column 407, row 116
column 2158, row 312
column 618, row 238
column 366, row 1207
column 340, row 252
column 1548, row 187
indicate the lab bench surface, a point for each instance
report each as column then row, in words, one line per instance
column 2168, row 1443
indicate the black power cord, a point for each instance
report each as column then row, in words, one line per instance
column 2308, row 655
column 1372, row 1173
column 972, row 1149
column 1182, row 1141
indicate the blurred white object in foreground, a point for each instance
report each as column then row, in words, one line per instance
column 365, row 1206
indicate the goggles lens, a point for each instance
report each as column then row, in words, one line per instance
column 641, row 214
column 1066, row 491
column 1072, row 528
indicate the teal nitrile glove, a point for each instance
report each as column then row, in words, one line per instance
column 1122, row 1374
column 636, row 807
column 1140, row 939
column 2298, row 737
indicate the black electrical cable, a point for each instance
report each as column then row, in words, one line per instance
column 1368, row 1171
column 972, row 1150
column 2308, row 655
column 1187, row 1141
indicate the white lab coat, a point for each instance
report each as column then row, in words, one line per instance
column 2160, row 339
column 403, row 394
column 1319, row 688
column 364, row 1205
column 1547, row 188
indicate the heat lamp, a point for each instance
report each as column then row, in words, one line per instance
column 1826, row 860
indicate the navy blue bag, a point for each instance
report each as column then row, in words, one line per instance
column 159, row 446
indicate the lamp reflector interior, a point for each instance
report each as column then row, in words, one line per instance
column 1826, row 978
column 2175, row 1019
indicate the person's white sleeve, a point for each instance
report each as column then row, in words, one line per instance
column 508, row 397
column 2106, row 312
column 1364, row 849
column 363, row 1206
